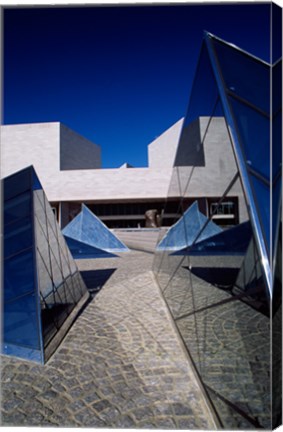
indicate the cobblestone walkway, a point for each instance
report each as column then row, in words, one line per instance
column 121, row 364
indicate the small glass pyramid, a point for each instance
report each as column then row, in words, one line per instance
column 88, row 237
column 183, row 233
column 233, row 241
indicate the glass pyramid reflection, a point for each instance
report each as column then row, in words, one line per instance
column 184, row 232
column 232, row 241
column 43, row 288
column 88, row 237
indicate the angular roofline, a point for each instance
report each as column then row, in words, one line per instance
column 35, row 123
column 231, row 45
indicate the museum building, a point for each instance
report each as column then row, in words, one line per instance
column 69, row 168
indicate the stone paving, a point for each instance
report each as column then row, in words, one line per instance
column 121, row 364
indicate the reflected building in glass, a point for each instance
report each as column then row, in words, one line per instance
column 224, row 289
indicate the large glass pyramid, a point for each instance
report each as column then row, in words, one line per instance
column 43, row 288
column 235, row 84
column 251, row 118
column 224, row 292
column 88, row 237
column 193, row 224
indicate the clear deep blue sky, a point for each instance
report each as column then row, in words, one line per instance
column 119, row 76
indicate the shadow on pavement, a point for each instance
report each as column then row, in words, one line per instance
column 95, row 279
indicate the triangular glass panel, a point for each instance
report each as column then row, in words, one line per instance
column 88, row 229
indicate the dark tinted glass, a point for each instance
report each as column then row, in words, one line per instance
column 17, row 184
column 276, row 150
column 36, row 185
column 276, row 208
column 262, row 193
column 18, row 236
column 203, row 102
column 21, row 322
column 17, row 207
column 19, row 275
column 244, row 76
column 254, row 132
column 204, row 93
column 277, row 145
column 277, row 87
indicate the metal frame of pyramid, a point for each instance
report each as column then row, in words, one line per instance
column 43, row 289
column 88, row 237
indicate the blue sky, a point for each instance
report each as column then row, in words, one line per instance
column 121, row 75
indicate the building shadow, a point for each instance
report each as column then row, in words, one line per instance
column 95, row 279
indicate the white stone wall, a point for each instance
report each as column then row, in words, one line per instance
column 34, row 144
column 108, row 184
column 76, row 152
column 162, row 151
column 39, row 145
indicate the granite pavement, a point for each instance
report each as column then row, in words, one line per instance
column 121, row 365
